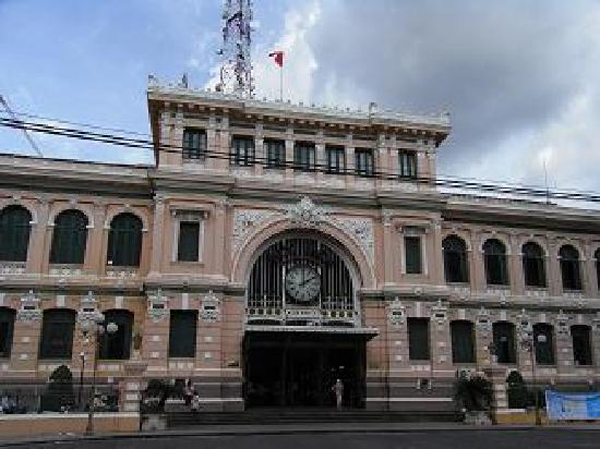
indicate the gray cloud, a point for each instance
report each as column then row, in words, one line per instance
column 505, row 70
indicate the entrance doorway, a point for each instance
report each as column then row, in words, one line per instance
column 299, row 369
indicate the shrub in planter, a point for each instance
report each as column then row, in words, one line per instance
column 473, row 393
column 59, row 395
column 516, row 390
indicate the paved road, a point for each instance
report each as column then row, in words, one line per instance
column 486, row 439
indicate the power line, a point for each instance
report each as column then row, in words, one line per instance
column 452, row 183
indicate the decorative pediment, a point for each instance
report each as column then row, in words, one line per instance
column 397, row 313
column 305, row 213
column 88, row 309
column 158, row 306
column 210, row 307
column 30, row 308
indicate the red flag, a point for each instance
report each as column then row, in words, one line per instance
column 278, row 57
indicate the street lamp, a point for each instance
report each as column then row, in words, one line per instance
column 101, row 329
column 528, row 344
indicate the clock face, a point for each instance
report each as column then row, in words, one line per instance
column 303, row 283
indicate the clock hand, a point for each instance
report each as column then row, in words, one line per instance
column 306, row 281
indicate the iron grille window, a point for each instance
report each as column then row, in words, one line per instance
column 304, row 156
column 494, row 254
column 418, row 338
column 463, row 342
column 533, row 265
column 412, row 252
column 336, row 159
column 365, row 162
column 407, row 164
column 182, row 333
column 125, row 241
column 582, row 346
column 242, row 151
column 7, row 323
column 56, row 341
column 189, row 240
column 569, row 268
column 504, row 342
column 455, row 259
column 194, row 144
column 544, row 344
column 275, row 153
column 69, row 238
column 15, row 228
column 117, row 346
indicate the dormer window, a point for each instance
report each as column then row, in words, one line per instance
column 194, row 144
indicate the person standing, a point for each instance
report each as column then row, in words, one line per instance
column 338, row 390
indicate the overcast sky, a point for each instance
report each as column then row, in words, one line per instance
column 520, row 78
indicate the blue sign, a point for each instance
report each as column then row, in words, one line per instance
column 572, row 405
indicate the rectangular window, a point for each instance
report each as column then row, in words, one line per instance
column 275, row 150
column 412, row 253
column 418, row 338
column 336, row 159
column 407, row 164
column 365, row 162
column 463, row 342
column 304, row 156
column 182, row 333
column 189, row 241
column 242, row 151
column 582, row 346
column 194, row 144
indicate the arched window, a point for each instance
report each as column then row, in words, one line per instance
column 125, row 241
column 455, row 259
column 463, row 341
column 569, row 268
column 56, row 341
column 533, row 265
column 15, row 228
column 597, row 257
column 582, row 344
column 7, row 323
column 544, row 344
column 494, row 254
column 117, row 346
column 504, row 342
column 69, row 237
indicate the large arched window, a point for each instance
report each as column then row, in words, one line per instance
column 117, row 346
column 543, row 339
column 15, row 227
column 56, row 341
column 569, row 268
column 582, row 344
column 455, row 259
column 533, row 265
column 69, row 237
column 494, row 253
column 7, row 323
column 504, row 342
column 125, row 241
column 463, row 341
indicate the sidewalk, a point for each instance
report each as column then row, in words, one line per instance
column 283, row 429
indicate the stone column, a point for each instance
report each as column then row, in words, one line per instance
column 436, row 261
column 349, row 160
column 158, row 233
column 95, row 252
column 497, row 375
column 26, row 337
column 37, row 255
column 259, row 151
column 478, row 281
column 320, row 155
column 515, row 273
column 289, row 153
column 554, row 273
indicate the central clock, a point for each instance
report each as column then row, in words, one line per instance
column 303, row 283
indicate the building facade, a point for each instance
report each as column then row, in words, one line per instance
column 273, row 248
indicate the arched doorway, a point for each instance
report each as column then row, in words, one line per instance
column 303, row 325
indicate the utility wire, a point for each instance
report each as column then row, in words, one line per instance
column 453, row 183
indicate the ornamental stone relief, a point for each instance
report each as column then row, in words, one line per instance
column 30, row 308
column 305, row 214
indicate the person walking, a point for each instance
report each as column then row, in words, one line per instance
column 338, row 390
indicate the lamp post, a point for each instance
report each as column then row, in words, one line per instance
column 528, row 344
column 101, row 329
column 82, row 356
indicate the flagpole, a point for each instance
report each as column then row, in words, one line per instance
column 281, row 83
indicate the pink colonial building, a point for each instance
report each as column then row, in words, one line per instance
column 273, row 248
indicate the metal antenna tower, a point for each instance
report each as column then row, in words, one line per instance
column 236, row 70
